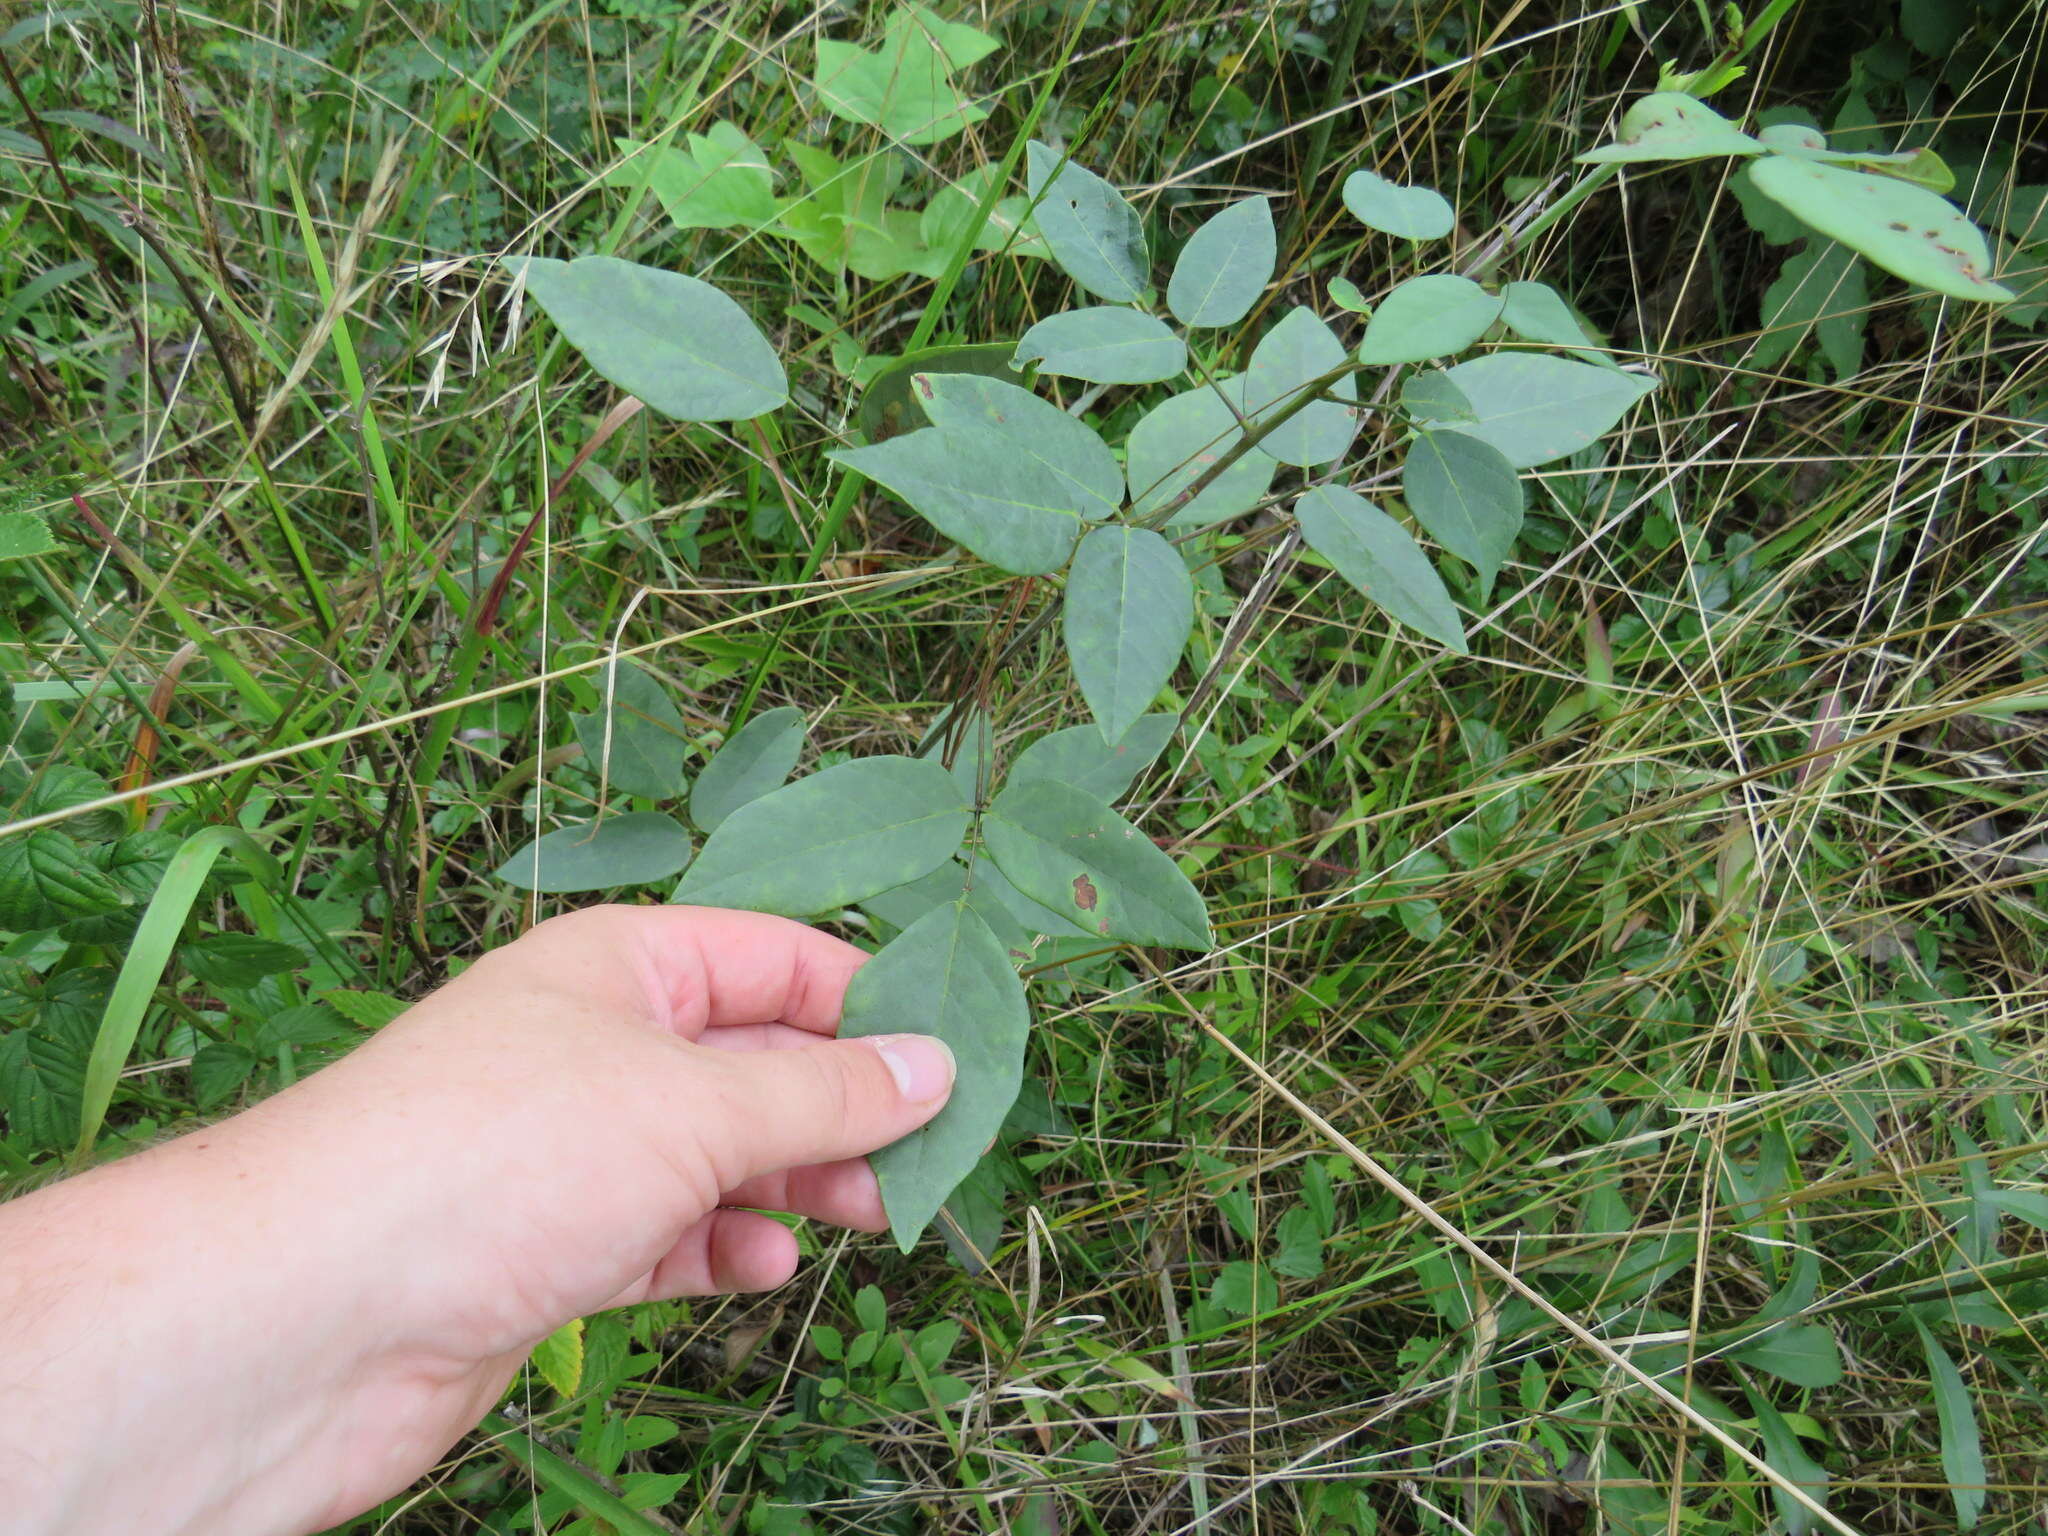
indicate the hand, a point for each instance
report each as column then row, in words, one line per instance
column 269, row 1325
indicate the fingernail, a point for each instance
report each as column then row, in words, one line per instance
column 921, row 1064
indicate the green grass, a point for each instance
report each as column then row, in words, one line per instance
column 1682, row 949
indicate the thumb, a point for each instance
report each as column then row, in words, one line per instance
column 838, row 1099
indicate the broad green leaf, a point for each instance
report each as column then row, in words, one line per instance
column 1078, row 756
column 945, row 975
column 1036, row 428
column 904, row 86
column 45, row 878
column 1802, row 141
column 23, row 534
column 238, row 959
column 677, row 343
column 1804, row 1354
column 972, row 485
column 1093, row 234
column 902, row 906
column 1345, row 295
column 1181, row 439
column 1429, row 395
column 42, row 1078
column 990, row 887
column 1297, row 351
column 1908, row 230
column 595, row 856
column 1008, row 227
column 720, row 179
column 844, row 218
column 1785, row 1455
column 1467, row 496
column 558, row 1358
column 1245, row 1289
column 1068, row 851
column 890, row 405
column 1669, row 125
column 753, row 763
column 646, row 748
column 1409, row 213
column 1129, row 606
column 2024, row 213
column 1822, row 289
column 1535, row 408
column 218, row 1070
column 833, row 839
column 1378, row 557
column 1962, row 1447
column 1537, row 312
column 1428, row 317
column 2029, row 1205
column 1225, row 265
column 1105, row 344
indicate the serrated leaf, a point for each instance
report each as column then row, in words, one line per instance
column 23, row 535
column 1822, row 288
column 1130, row 604
column 1428, row 317
column 1178, row 441
column 1804, row 1354
column 46, row 878
column 972, row 485
column 1038, row 429
column 1105, row 344
column 63, row 786
column 598, row 855
column 42, row 1076
column 306, row 1024
column 1378, row 557
column 1537, row 312
column 838, row 837
column 1535, row 408
column 1962, row 1445
column 1225, row 265
column 1669, row 125
column 1069, row 852
column 1094, row 235
column 1467, row 496
column 674, row 341
column 945, row 975
column 1908, row 230
column 644, row 751
column 1080, row 757
column 218, row 1070
column 754, row 762
column 1292, row 355
column 1408, row 213
column 558, row 1358
column 365, row 1010
column 238, row 959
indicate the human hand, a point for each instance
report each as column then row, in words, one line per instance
column 272, row 1324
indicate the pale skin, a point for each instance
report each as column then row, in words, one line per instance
column 268, row 1326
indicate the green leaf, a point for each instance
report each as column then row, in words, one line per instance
column 1467, row 495
column 838, row 837
column 1804, row 1354
column 1535, row 408
column 1036, row 428
column 945, row 975
column 2030, row 1206
column 1408, row 213
column 891, row 405
column 218, row 1071
column 597, row 855
column 1785, row 1455
column 1105, row 344
column 238, row 959
column 307, row 1024
column 1537, row 312
column 1301, row 1245
column 1907, row 230
column 1007, row 228
column 1802, row 141
column 677, row 343
column 1822, row 289
column 1176, row 442
column 844, row 220
column 991, row 888
column 755, row 761
column 1428, row 317
column 1376, row 555
column 1245, row 1289
column 1080, row 757
column 1429, row 395
column 1069, row 852
column 1345, row 295
column 64, row 786
column 1669, row 125
column 1093, row 234
column 1292, row 355
column 972, row 485
column 365, row 1010
column 24, row 534
column 42, row 1077
column 904, row 86
column 1962, row 1447
column 45, row 878
column 720, row 179
column 1129, row 607
column 902, row 907
column 644, row 750
column 558, row 1358
column 1225, row 265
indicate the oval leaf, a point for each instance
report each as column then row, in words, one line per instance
column 1093, row 233
column 1410, row 213
column 596, row 856
column 945, row 975
column 1036, row 428
column 644, row 750
column 835, row 838
column 1467, row 496
column 1537, row 312
column 972, row 485
column 1078, row 756
column 1428, row 317
column 1376, row 555
column 672, row 340
column 1178, row 441
column 1104, row 344
column 1535, row 408
column 1669, row 125
column 1130, row 604
column 889, row 407
column 755, row 761
column 1225, row 265
column 1297, row 351
column 1068, row 851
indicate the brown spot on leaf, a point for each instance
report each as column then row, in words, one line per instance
column 1085, row 895
column 924, row 386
